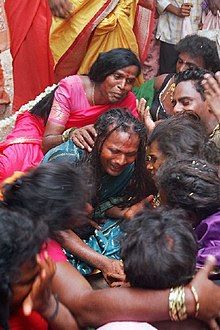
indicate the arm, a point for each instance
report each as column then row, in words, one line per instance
column 42, row 299
column 130, row 304
column 166, row 6
column 148, row 4
column 111, row 269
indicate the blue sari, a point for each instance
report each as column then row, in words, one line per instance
column 105, row 241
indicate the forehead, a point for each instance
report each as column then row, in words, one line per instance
column 127, row 71
column 186, row 89
column 153, row 148
column 196, row 61
column 119, row 139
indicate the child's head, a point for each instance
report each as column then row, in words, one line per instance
column 159, row 249
column 192, row 184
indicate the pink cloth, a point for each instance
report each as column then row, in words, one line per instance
column 71, row 107
column 55, row 251
column 22, row 148
column 127, row 326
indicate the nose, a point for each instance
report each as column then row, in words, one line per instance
column 149, row 166
column 122, row 83
column 177, row 108
column 183, row 67
column 121, row 160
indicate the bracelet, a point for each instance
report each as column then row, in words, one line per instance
column 195, row 295
column 66, row 134
column 177, row 306
column 56, row 310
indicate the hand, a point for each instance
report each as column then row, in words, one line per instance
column 144, row 114
column 41, row 296
column 61, row 8
column 84, row 137
column 208, row 294
column 113, row 271
column 138, row 207
column 185, row 9
column 214, row 5
column 212, row 93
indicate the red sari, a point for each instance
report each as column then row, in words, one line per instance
column 29, row 24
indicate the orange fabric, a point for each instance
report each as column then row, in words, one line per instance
column 29, row 24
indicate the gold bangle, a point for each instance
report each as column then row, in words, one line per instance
column 177, row 306
column 195, row 295
column 66, row 134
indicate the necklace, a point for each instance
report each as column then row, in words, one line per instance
column 93, row 94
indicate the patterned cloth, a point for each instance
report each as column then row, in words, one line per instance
column 106, row 240
column 170, row 26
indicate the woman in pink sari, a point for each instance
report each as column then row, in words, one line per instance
column 81, row 99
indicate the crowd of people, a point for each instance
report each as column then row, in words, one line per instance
column 110, row 182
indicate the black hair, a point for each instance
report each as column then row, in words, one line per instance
column 20, row 240
column 180, row 135
column 56, row 191
column 43, row 107
column 111, row 61
column 192, row 184
column 121, row 119
column 196, row 75
column 198, row 46
column 159, row 249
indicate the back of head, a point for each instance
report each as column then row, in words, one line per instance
column 191, row 184
column 182, row 135
column 111, row 61
column 20, row 241
column 159, row 249
column 198, row 46
column 55, row 191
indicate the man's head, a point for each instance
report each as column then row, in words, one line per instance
column 189, row 95
column 159, row 249
column 196, row 51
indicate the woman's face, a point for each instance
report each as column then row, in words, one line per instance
column 154, row 158
column 23, row 282
column 116, row 86
column 118, row 151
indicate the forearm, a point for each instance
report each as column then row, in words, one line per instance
column 51, row 141
column 73, row 244
column 58, row 316
column 173, row 9
column 126, row 304
column 116, row 212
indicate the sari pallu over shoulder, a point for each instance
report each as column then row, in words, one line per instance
column 109, row 24
column 69, row 39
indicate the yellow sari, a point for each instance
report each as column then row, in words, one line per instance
column 94, row 27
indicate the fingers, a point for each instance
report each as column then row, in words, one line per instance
column 84, row 137
column 209, row 265
column 186, row 9
column 213, row 325
column 94, row 224
column 27, row 305
column 61, row 8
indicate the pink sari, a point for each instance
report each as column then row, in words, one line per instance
column 22, row 148
column 72, row 109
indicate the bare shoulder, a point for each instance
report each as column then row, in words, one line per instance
column 159, row 81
